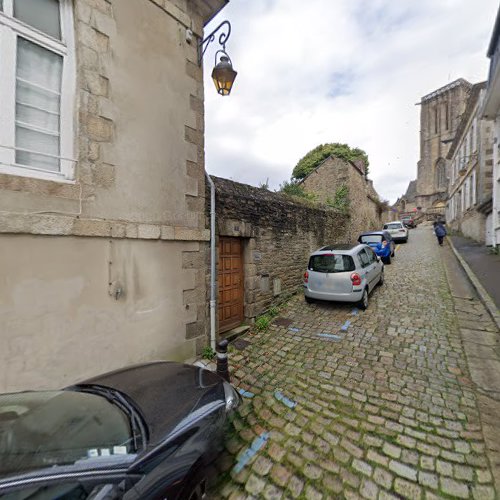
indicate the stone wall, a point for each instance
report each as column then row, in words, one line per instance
column 471, row 224
column 363, row 206
column 278, row 236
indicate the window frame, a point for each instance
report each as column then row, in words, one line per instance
column 361, row 260
column 10, row 30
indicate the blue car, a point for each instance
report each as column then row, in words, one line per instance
column 381, row 242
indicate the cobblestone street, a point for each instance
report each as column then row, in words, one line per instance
column 370, row 404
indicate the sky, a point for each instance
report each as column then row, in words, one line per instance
column 348, row 71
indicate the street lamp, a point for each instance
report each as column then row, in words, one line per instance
column 223, row 73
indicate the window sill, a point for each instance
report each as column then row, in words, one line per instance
column 21, row 171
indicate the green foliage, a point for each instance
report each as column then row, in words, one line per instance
column 340, row 200
column 293, row 188
column 273, row 311
column 312, row 159
column 262, row 322
column 208, row 353
column 264, row 185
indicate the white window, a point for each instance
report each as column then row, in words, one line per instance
column 474, row 135
column 467, row 193
column 473, row 188
column 37, row 88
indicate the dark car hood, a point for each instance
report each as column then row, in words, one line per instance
column 164, row 392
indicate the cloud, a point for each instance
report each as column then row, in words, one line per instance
column 345, row 71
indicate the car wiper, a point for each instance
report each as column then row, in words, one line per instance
column 114, row 397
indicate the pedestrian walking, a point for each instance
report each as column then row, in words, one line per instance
column 440, row 232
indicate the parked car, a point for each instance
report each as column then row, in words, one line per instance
column 397, row 230
column 146, row 431
column 343, row 273
column 381, row 243
column 408, row 221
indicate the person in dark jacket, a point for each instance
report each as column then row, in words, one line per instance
column 440, row 232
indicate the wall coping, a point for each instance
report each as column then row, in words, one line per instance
column 64, row 225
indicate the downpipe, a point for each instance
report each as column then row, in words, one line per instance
column 213, row 302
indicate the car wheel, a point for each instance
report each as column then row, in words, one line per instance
column 363, row 303
column 308, row 299
column 406, row 240
column 382, row 277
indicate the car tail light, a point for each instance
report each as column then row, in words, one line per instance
column 356, row 279
column 306, row 277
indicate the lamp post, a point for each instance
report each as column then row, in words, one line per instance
column 223, row 73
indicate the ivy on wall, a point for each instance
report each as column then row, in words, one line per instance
column 340, row 199
column 312, row 159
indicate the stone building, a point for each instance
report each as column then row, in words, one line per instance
column 264, row 240
column 440, row 114
column 491, row 111
column 407, row 204
column 470, row 169
column 335, row 178
column 102, row 223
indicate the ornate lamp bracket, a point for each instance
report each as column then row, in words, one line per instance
column 223, row 37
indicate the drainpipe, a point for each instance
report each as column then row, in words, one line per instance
column 212, row 262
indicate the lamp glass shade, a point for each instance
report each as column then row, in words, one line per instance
column 223, row 76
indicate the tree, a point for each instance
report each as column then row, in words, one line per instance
column 312, row 159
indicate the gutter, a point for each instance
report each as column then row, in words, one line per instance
column 213, row 302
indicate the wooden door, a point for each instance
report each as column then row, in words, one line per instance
column 230, row 283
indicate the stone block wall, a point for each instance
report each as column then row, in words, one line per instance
column 278, row 236
column 472, row 224
column 334, row 173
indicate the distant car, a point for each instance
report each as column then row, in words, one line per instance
column 408, row 221
column 147, row 431
column 381, row 243
column 397, row 230
column 343, row 273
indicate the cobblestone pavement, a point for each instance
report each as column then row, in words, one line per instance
column 383, row 408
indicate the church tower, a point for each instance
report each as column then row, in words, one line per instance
column 440, row 115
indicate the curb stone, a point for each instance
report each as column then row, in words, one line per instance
column 483, row 294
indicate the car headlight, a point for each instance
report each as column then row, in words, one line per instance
column 232, row 398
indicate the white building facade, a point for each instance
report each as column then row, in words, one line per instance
column 491, row 111
column 470, row 166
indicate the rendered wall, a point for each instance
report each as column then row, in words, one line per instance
column 59, row 321
column 139, row 189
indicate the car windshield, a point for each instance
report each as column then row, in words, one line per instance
column 396, row 225
column 330, row 263
column 371, row 238
column 44, row 429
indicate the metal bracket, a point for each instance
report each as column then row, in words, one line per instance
column 223, row 37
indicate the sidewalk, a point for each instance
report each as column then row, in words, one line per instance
column 484, row 264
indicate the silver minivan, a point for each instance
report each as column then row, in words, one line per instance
column 343, row 273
